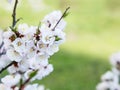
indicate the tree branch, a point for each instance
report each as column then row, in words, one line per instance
column 1, row 45
column 13, row 24
column 22, row 85
column 14, row 14
column 61, row 18
column 3, row 53
column 7, row 66
column 2, row 50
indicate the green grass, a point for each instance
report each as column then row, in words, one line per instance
column 92, row 36
column 75, row 71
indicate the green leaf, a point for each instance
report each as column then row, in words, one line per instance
column 57, row 38
column 33, row 74
column 66, row 14
column 21, row 81
column 18, row 20
column 13, row 29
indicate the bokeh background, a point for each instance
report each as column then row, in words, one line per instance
column 93, row 34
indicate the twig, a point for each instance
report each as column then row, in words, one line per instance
column 1, row 45
column 13, row 24
column 23, row 85
column 2, row 50
column 61, row 18
column 7, row 66
column 3, row 53
column 14, row 14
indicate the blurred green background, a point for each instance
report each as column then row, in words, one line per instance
column 92, row 36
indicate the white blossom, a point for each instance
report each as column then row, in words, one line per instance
column 13, row 55
column 27, row 74
column 37, row 62
column 48, row 69
column 115, row 59
column 30, row 47
column 4, row 87
column 12, row 69
column 103, row 86
column 51, row 20
column 11, row 80
column 34, row 63
column 19, row 45
column 60, row 35
column 108, row 76
column 34, row 87
column 111, row 79
column 7, row 34
column 23, row 28
column 47, row 35
column 52, row 49
column 4, row 61
column 44, row 71
column 7, row 43
column 23, row 65
column 7, row 38
column 115, row 86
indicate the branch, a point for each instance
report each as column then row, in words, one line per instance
column 1, row 45
column 14, row 14
column 2, row 50
column 7, row 66
column 22, row 86
column 3, row 53
column 61, row 18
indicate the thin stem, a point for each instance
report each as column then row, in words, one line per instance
column 14, row 14
column 13, row 24
column 3, row 53
column 7, row 66
column 2, row 50
column 61, row 18
column 39, row 25
column 119, row 78
column 23, row 85
column 1, row 45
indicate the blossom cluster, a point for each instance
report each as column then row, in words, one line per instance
column 29, row 49
column 111, row 79
column 27, row 87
